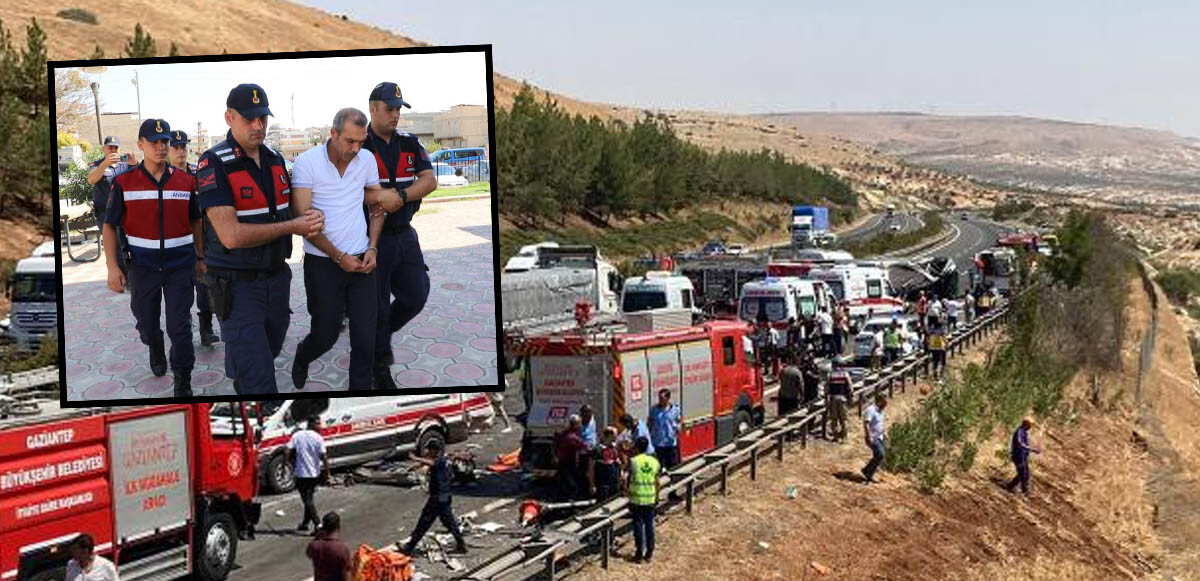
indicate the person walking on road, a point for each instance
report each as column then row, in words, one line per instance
column 306, row 453
column 329, row 554
column 85, row 565
column 438, row 505
column 1020, row 449
column 665, row 421
column 874, row 434
column 969, row 305
column 643, row 498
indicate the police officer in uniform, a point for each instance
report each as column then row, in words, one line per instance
column 155, row 205
column 244, row 191
column 406, row 176
column 101, row 174
column 178, row 157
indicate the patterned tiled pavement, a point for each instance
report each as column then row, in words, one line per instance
column 451, row 343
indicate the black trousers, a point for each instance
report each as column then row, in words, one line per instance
column 435, row 510
column 401, row 272
column 333, row 292
column 1022, row 476
column 307, row 487
column 149, row 289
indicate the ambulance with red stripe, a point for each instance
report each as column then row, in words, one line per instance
column 710, row 370
column 863, row 286
column 162, row 494
column 361, row 429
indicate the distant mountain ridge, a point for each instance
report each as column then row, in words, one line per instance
column 1121, row 165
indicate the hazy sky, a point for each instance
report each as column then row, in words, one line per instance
column 1121, row 63
column 189, row 92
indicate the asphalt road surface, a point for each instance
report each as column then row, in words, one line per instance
column 379, row 514
column 970, row 236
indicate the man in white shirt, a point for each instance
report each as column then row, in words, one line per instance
column 87, row 566
column 306, row 453
column 825, row 323
column 338, row 178
column 874, row 433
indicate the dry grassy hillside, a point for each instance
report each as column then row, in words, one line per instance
column 198, row 29
column 237, row 27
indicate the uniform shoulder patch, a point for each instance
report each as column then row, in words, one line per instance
column 206, row 179
column 203, row 163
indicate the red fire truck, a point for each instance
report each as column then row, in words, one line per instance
column 161, row 494
column 710, row 370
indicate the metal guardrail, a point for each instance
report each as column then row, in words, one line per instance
column 597, row 527
column 16, row 384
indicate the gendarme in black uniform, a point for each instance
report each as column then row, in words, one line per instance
column 249, row 287
column 157, row 216
column 400, row 269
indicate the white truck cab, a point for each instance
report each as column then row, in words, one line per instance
column 527, row 257
column 659, row 289
column 33, row 290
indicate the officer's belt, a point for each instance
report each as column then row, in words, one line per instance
column 245, row 275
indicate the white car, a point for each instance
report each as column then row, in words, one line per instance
column 894, row 227
column 447, row 176
column 864, row 341
column 736, row 249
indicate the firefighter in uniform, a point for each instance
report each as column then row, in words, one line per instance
column 155, row 205
column 178, row 157
column 406, row 176
column 244, row 192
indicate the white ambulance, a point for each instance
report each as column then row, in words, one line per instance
column 863, row 286
column 360, row 429
column 781, row 298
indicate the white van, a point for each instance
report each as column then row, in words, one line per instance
column 782, row 298
column 659, row 289
column 359, row 429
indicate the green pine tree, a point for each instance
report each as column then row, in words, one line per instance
column 174, row 49
column 98, row 53
column 141, row 45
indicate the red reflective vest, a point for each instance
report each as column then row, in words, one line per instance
column 157, row 219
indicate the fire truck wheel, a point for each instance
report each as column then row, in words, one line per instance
column 280, row 476
column 217, row 547
column 429, row 435
column 743, row 422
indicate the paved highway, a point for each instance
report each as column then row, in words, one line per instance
column 380, row 514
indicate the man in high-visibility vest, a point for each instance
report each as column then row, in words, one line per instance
column 643, row 497
column 891, row 343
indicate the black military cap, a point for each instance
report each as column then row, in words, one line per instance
column 389, row 93
column 179, row 138
column 250, row 100
column 155, row 130
column 112, row 140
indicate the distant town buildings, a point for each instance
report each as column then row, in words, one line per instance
column 69, row 156
column 462, row 126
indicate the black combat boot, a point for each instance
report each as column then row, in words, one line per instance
column 183, row 383
column 158, row 359
column 207, row 336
